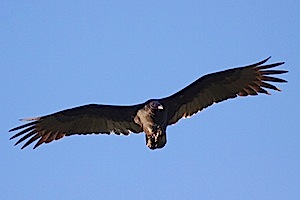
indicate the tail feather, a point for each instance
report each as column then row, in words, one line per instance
column 156, row 140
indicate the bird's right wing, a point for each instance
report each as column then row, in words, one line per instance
column 219, row 86
column 87, row 119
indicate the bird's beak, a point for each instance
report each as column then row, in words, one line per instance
column 160, row 107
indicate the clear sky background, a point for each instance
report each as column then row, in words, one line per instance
column 61, row 54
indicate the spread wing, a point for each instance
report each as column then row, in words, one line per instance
column 219, row 86
column 87, row 119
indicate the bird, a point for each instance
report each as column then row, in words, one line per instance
column 155, row 115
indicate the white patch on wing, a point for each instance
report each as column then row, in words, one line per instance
column 119, row 132
column 185, row 116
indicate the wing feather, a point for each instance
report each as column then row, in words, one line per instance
column 87, row 119
column 219, row 86
column 31, row 140
column 31, row 133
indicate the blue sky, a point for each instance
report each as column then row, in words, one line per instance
column 61, row 54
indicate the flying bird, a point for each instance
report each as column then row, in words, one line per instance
column 153, row 116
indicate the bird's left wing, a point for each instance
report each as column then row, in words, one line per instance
column 219, row 86
column 87, row 119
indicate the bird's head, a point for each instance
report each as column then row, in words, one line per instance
column 155, row 105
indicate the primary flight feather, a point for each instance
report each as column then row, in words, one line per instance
column 153, row 116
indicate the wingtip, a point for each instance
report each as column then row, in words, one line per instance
column 36, row 145
column 29, row 119
column 265, row 60
column 13, row 129
column 18, row 142
column 12, row 137
column 259, row 63
column 25, row 145
column 278, row 89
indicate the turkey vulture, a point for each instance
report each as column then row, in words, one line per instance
column 153, row 116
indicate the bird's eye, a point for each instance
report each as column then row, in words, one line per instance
column 152, row 104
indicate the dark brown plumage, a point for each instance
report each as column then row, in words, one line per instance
column 153, row 116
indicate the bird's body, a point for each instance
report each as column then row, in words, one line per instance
column 153, row 119
column 153, row 116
